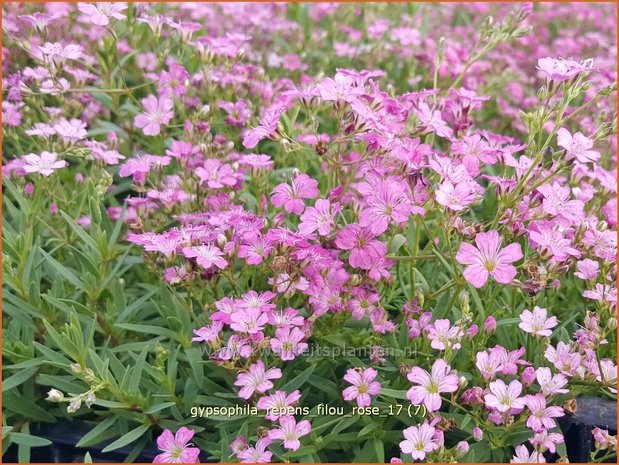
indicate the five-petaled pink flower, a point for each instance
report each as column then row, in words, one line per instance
column 46, row 163
column 100, row 13
column 266, row 128
column 287, row 343
column 206, row 256
column 505, row 398
column 159, row 111
column 290, row 431
column 537, row 322
column 277, row 403
column 257, row 378
column 419, row 441
column 363, row 386
column 541, row 416
column 176, row 447
column 577, row 146
column 441, row 379
column 364, row 249
column 488, row 259
column 290, row 196
column 320, row 217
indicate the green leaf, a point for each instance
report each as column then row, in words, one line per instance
column 392, row 393
column 299, row 380
column 136, row 375
column 29, row 440
column 18, row 378
column 97, row 434
column 128, row 438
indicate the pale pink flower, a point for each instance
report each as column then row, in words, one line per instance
column 543, row 440
column 444, row 336
column 541, row 416
column 208, row 333
column 206, row 256
column 290, row 196
column 587, row 269
column 46, row 163
column 257, row 378
column 363, row 386
column 176, row 447
column 419, row 441
column 457, row 197
column 603, row 439
column 524, row 456
column 100, row 13
column 488, row 259
column 550, row 384
column 431, row 385
column 257, row 454
column 277, row 403
column 159, row 111
column 537, row 322
column 562, row 69
column 287, row 343
column 216, row 174
column 290, row 432
column 320, row 217
column 386, row 202
column 505, row 398
column 577, row 146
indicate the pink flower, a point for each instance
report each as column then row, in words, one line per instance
column 248, row 320
column 277, row 403
column 419, row 441
column 536, row 322
column 290, row 196
column 550, row 384
column 255, row 248
column 208, row 333
column 363, row 386
column 488, row 259
column 524, row 456
column 577, row 146
column 557, row 203
column 100, row 13
column 257, row 378
column 364, row 249
column 386, row 202
column 505, row 398
column 543, row 440
column 441, row 379
column 457, row 197
column 257, row 454
column 46, row 163
column 320, row 217
column 561, row 69
column 287, row 343
column 216, row 174
column 158, row 112
column 444, row 336
column 604, row 440
column 267, row 128
column 587, row 269
column 206, row 256
column 541, row 416
column 290, row 431
column 176, row 448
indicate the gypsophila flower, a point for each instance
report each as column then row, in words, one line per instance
column 363, row 386
column 176, row 447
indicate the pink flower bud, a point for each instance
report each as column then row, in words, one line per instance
column 490, row 324
column 462, row 448
column 28, row 189
column 528, row 376
column 478, row 434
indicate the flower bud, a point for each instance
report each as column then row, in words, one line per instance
column 74, row 405
column 462, row 448
column 478, row 434
column 528, row 376
column 462, row 382
column 612, row 323
column 76, row 368
column 54, row 395
column 490, row 324
column 90, row 399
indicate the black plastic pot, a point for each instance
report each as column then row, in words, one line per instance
column 64, row 435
